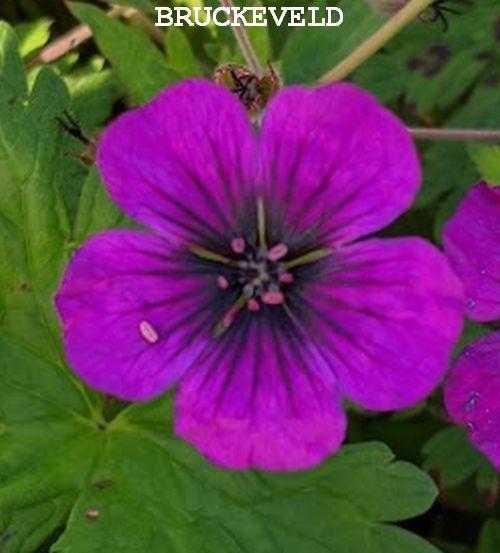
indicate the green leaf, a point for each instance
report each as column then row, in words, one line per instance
column 144, row 5
column 96, row 212
column 445, row 211
column 260, row 40
column 34, row 226
column 180, row 54
column 311, row 51
column 487, row 483
column 384, row 76
column 487, row 160
column 47, row 446
column 41, row 403
column 451, row 456
column 33, row 35
column 489, row 540
column 447, row 166
column 139, row 65
column 453, row 547
column 428, row 61
column 93, row 93
column 190, row 505
column 429, row 89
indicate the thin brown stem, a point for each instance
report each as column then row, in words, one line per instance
column 73, row 38
column 456, row 135
column 376, row 41
column 243, row 41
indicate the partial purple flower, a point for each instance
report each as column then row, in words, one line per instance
column 250, row 291
column 472, row 394
column 472, row 243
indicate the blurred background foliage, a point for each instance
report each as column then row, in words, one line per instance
column 428, row 75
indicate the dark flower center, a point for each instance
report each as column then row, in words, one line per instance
column 259, row 272
column 255, row 273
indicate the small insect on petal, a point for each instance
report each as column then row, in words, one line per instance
column 222, row 282
column 273, row 298
column 148, row 332
column 238, row 245
column 253, row 305
column 277, row 252
column 92, row 514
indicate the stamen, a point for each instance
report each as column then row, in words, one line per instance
column 253, row 305
column 277, row 252
column 309, row 257
column 199, row 251
column 238, row 244
column 225, row 323
column 272, row 298
column 229, row 317
column 222, row 282
column 261, row 223
column 148, row 332
column 286, row 278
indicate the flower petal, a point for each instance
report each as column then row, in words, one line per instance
column 472, row 394
column 388, row 312
column 472, row 244
column 338, row 160
column 131, row 314
column 180, row 163
column 257, row 401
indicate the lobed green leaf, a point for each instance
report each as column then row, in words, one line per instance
column 139, row 64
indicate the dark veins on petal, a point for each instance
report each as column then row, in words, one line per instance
column 252, row 281
column 257, row 263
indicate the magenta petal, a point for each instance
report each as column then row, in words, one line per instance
column 123, row 303
column 472, row 244
column 180, row 163
column 338, row 160
column 472, row 394
column 258, row 403
column 389, row 313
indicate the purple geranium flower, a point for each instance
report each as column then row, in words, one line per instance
column 472, row 243
column 250, row 291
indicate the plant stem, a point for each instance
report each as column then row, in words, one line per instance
column 73, row 38
column 244, row 42
column 372, row 44
column 456, row 135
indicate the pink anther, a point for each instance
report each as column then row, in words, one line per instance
column 277, row 252
column 273, row 298
column 238, row 244
column 222, row 282
column 286, row 278
column 253, row 305
column 148, row 332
